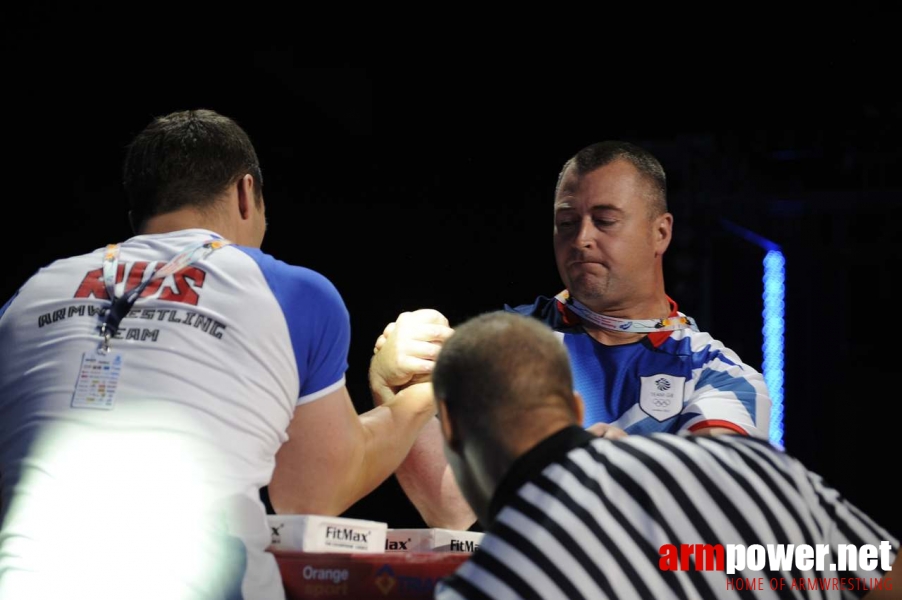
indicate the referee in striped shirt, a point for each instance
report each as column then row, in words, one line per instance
column 569, row 515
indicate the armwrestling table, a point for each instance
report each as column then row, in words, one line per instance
column 382, row 576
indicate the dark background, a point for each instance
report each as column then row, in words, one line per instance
column 427, row 182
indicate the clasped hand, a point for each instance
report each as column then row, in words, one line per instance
column 406, row 350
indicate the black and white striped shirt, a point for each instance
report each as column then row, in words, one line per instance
column 580, row 517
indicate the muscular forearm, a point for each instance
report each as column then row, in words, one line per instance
column 429, row 483
column 405, row 356
column 390, row 431
column 425, row 476
column 334, row 457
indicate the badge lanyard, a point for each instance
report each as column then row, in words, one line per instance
column 630, row 325
column 123, row 304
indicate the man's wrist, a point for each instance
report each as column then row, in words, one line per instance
column 381, row 392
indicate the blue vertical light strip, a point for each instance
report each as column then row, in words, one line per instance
column 772, row 348
column 773, row 329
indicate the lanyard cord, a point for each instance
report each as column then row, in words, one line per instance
column 124, row 303
column 628, row 325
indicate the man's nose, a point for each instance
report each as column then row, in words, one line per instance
column 585, row 237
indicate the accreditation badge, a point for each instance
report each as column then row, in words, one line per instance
column 97, row 380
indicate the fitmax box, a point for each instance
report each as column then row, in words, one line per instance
column 317, row 533
column 432, row 540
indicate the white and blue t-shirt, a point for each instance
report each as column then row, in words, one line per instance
column 208, row 368
column 668, row 382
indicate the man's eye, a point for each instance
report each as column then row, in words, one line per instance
column 604, row 222
column 566, row 224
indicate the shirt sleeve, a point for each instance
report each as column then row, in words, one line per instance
column 318, row 323
column 725, row 392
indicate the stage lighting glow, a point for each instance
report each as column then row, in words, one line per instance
column 113, row 514
column 774, row 324
column 772, row 348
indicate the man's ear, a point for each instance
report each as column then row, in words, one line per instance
column 448, row 432
column 246, row 198
column 578, row 406
column 663, row 233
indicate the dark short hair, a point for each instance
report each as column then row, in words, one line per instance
column 600, row 154
column 497, row 365
column 186, row 158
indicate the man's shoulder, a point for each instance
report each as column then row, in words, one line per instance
column 281, row 274
column 542, row 308
column 700, row 345
column 62, row 273
column 690, row 339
